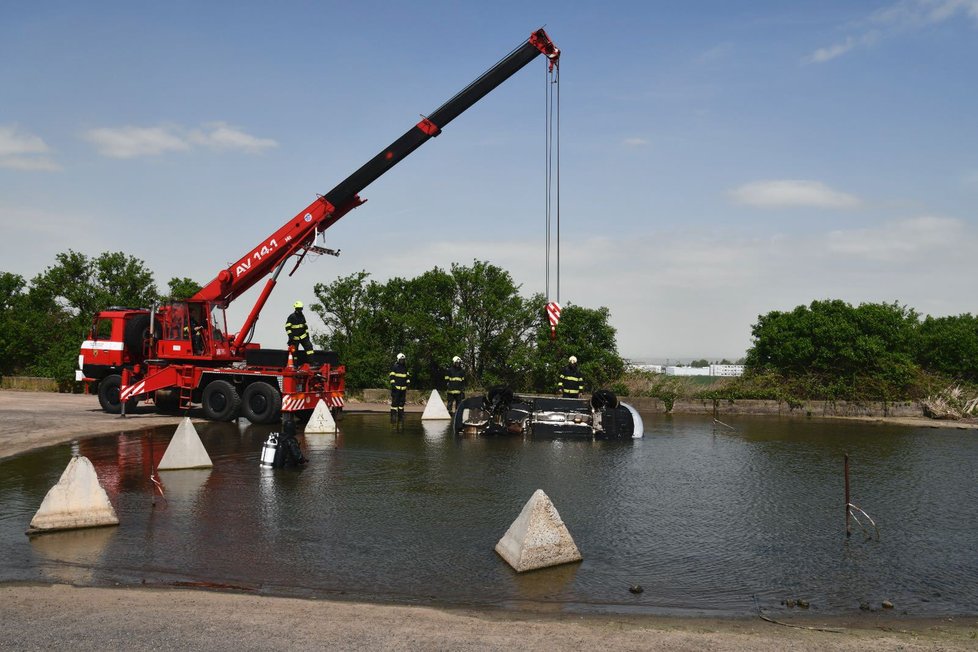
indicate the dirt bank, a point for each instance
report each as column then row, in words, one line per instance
column 36, row 419
column 38, row 617
column 86, row 618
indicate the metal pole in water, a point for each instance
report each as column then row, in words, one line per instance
column 848, row 530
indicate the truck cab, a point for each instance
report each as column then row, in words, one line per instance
column 193, row 330
column 115, row 340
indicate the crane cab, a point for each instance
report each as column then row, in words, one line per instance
column 193, row 330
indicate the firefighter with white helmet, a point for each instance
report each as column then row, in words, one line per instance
column 571, row 383
column 454, row 385
column 298, row 334
column 400, row 380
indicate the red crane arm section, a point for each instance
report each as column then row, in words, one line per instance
column 301, row 230
column 298, row 232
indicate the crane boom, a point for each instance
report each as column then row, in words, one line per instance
column 181, row 352
column 299, row 232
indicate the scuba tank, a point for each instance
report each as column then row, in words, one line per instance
column 269, row 450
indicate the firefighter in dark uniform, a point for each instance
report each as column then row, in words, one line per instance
column 571, row 383
column 400, row 379
column 298, row 334
column 455, row 385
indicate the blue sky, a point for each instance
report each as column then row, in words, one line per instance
column 718, row 159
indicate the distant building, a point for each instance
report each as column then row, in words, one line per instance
column 673, row 370
column 726, row 370
column 712, row 370
column 654, row 368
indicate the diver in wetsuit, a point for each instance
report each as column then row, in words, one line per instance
column 288, row 452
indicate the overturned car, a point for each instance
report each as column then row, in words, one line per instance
column 502, row 412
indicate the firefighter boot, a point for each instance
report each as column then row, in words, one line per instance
column 400, row 414
column 393, row 415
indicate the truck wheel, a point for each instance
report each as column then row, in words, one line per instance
column 167, row 401
column 221, row 401
column 604, row 399
column 261, row 403
column 108, row 395
column 137, row 332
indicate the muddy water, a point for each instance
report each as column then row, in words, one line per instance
column 703, row 518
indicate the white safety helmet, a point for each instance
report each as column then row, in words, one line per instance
column 572, row 359
column 297, row 304
column 456, row 359
column 400, row 356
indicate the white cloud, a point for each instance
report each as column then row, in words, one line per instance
column 220, row 135
column 827, row 54
column 901, row 240
column 20, row 150
column 915, row 14
column 898, row 18
column 635, row 142
column 792, row 193
column 133, row 142
column 29, row 163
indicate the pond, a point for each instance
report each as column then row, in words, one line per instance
column 706, row 519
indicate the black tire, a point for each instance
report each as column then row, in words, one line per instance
column 221, row 401
column 108, row 395
column 136, row 334
column 261, row 403
column 604, row 399
column 167, row 401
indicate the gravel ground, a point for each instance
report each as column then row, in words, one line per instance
column 43, row 617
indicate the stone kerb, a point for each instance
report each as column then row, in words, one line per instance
column 76, row 501
column 538, row 537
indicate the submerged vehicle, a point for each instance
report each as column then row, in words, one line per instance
column 502, row 412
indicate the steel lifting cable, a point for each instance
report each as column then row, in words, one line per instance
column 556, row 85
column 552, row 177
column 546, row 182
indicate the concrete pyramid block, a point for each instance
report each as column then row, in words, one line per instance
column 435, row 408
column 185, row 451
column 537, row 538
column 321, row 420
column 76, row 501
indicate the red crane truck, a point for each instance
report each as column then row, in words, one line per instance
column 181, row 353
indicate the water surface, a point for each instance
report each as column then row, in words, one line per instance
column 703, row 517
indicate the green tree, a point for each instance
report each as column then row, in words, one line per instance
column 847, row 352
column 18, row 325
column 475, row 312
column 949, row 345
column 182, row 288
column 582, row 332
column 702, row 362
column 351, row 308
column 84, row 286
column 497, row 325
column 59, row 306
